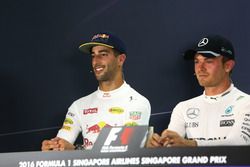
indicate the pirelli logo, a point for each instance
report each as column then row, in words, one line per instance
column 224, row 123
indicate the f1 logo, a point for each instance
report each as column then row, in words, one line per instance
column 112, row 136
column 124, row 136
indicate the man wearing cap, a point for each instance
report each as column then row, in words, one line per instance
column 114, row 103
column 221, row 115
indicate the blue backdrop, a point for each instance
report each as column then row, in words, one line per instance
column 42, row 72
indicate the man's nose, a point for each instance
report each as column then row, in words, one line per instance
column 201, row 65
column 94, row 59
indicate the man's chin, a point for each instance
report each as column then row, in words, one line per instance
column 205, row 84
column 202, row 83
column 100, row 78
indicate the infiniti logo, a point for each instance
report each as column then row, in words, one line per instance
column 193, row 113
column 203, row 42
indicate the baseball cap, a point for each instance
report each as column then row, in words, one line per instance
column 211, row 46
column 104, row 39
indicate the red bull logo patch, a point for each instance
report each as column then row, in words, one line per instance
column 90, row 111
column 97, row 127
column 116, row 110
column 135, row 115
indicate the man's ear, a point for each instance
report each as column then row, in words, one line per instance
column 121, row 59
column 229, row 65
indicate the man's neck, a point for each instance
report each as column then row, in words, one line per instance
column 216, row 90
column 110, row 85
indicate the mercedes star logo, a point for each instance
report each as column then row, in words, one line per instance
column 193, row 113
column 203, row 42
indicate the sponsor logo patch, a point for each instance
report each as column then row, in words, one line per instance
column 135, row 115
column 193, row 113
column 224, row 123
column 68, row 121
column 87, row 142
column 203, row 42
column 106, row 95
column 90, row 111
column 105, row 36
column 116, row 110
column 246, row 129
column 192, row 124
column 71, row 114
column 96, row 128
column 211, row 138
column 131, row 124
column 228, row 111
column 68, row 128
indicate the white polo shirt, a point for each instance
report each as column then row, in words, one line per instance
column 214, row 120
column 88, row 115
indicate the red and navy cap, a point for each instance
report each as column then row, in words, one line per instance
column 104, row 39
column 212, row 46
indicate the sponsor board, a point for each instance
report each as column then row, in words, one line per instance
column 120, row 139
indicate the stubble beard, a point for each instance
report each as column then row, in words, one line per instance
column 107, row 75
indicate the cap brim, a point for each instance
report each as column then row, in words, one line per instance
column 86, row 47
column 189, row 54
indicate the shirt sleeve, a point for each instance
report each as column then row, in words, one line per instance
column 177, row 122
column 240, row 132
column 71, row 125
column 146, row 111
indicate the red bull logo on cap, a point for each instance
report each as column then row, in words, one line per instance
column 100, row 36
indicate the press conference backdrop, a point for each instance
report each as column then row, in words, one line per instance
column 42, row 72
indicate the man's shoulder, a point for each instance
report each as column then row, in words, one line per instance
column 194, row 100
column 240, row 95
column 240, row 91
column 86, row 98
column 136, row 94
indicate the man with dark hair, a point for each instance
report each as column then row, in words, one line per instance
column 115, row 103
column 221, row 115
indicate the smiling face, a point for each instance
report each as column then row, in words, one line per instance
column 212, row 72
column 106, row 65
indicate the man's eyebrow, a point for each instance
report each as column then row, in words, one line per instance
column 101, row 51
column 210, row 58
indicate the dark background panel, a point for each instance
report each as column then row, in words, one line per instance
column 42, row 72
